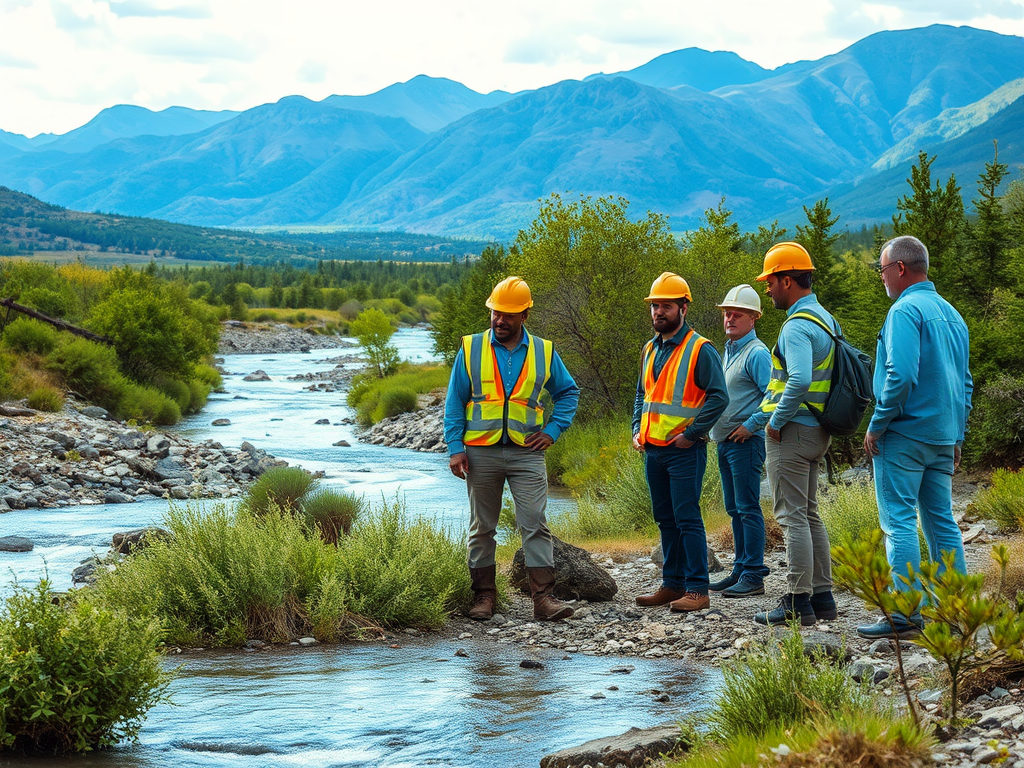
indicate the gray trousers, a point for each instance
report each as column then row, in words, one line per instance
column 526, row 473
column 793, row 465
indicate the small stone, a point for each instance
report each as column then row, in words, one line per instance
column 254, row 644
column 497, row 619
column 996, row 716
column 411, row 631
column 984, row 754
column 116, row 497
column 599, row 695
column 342, row 444
column 307, row 641
column 257, row 376
column 622, row 670
column 530, row 664
column 999, row 693
column 461, row 653
column 465, row 636
column 221, row 422
column 930, row 696
column 663, row 698
column 613, row 687
column 322, row 421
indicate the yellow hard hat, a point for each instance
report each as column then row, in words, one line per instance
column 742, row 297
column 786, row 257
column 511, row 295
column 668, row 287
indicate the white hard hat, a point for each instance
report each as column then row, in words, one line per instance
column 742, row 297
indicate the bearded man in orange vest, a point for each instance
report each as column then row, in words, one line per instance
column 680, row 395
column 495, row 430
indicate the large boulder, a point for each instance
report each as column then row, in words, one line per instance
column 714, row 565
column 172, row 468
column 579, row 577
column 15, row 544
column 635, row 747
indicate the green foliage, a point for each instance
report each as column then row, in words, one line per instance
column 374, row 331
column 817, row 237
column 987, row 266
column 849, row 512
column 27, row 335
column 176, row 390
column 209, row 375
column 46, row 398
column 589, row 267
column 778, row 685
column 147, row 406
column 7, row 363
column 332, row 512
column 74, row 677
column 1003, row 501
column 279, row 487
column 374, row 398
column 90, row 369
column 224, row 577
column 590, row 454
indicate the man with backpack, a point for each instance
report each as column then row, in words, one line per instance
column 802, row 367
column 923, row 392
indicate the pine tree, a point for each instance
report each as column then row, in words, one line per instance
column 818, row 239
column 989, row 238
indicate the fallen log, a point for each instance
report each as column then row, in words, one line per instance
column 62, row 325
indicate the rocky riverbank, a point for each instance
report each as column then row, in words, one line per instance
column 81, row 456
column 421, row 430
column 238, row 338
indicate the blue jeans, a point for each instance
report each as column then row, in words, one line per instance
column 913, row 477
column 740, row 466
column 675, row 477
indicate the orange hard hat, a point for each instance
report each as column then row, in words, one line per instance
column 668, row 287
column 786, row 257
column 511, row 295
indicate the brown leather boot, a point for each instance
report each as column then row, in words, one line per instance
column 690, row 601
column 663, row 596
column 546, row 607
column 485, row 593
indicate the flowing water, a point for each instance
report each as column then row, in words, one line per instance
column 349, row 705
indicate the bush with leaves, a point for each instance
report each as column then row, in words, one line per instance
column 74, row 675
column 373, row 329
column 28, row 335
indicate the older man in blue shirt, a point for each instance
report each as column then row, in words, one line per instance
column 923, row 387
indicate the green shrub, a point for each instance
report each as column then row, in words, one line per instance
column 227, row 576
column 588, row 456
column 779, row 685
column 332, row 512
column 90, row 369
column 176, row 390
column 198, row 392
column 209, row 376
column 393, row 401
column 147, row 405
column 279, row 487
column 49, row 301
column 849, row 512
column 7, row 364
column 45, row 398
column 1003, row 501
column 27, row 335
column 74, row 677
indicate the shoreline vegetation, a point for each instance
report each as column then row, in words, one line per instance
column 580, row 257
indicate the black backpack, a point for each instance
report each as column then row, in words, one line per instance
column 850, row 391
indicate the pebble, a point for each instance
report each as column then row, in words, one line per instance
column 307, row 641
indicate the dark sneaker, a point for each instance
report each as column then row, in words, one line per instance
column 824, row 606
column 745, row 587
column 728, row 581
column 901, row 627
column 790, row 608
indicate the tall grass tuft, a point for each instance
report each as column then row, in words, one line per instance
column 28, row 335
column 375, row 398
column 1003, row 501
column 849, row 512
column 332, row 512
column 280, row 487
column 224, row 577
column 46, row 398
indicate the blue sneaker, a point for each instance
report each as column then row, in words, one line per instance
column 728, row 581
column 791, row 608
column 901, row 627
column 747, row 586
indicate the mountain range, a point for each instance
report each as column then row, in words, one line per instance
column 673, row 136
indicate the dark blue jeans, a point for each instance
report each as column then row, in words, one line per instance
column 740, row 465
column 675, row 477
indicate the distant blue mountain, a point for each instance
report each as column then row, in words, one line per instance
column 696, row 68
column 431, row 155
column 428, row 103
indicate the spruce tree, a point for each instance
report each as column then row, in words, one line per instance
column 818, row 239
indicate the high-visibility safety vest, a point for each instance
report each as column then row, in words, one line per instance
column 489, row 413
column 673, row 400
column 821, row 376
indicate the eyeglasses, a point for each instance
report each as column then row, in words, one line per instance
column 881, row 270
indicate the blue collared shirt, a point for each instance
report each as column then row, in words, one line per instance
column 922, row 382
column 565, row 395
column 746, row 387
column 803, row 345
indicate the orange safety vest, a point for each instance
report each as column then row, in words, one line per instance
column 488, row 413
column 671, row 402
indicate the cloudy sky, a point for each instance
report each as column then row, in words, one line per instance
column 61, row 61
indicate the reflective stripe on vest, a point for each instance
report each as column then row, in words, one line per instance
column 488, row 413
column 671, row 402
column 821, row 377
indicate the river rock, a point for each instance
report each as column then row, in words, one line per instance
column 127, row 541
column 578, row 576
column 714, row 564
column 322, row 421
column 633, row 748
column 827, row 644
column 95, row 412
column 9, row 409
column 172, row 468
column 342, row 444
column 116, row 497
column 4, row 506
column 15, row 544
column 257, row 376
column 158, row 445
column 221, row 422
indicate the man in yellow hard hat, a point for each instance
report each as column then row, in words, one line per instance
column 495, row 430
column 680, row 395
column 796, row 442
column 740, row 441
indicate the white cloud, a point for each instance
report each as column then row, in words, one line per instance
column 64, row 60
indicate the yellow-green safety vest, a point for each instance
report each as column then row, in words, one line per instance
column 488, row 412
column 821, row 375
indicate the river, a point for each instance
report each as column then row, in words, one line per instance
column 353, row 704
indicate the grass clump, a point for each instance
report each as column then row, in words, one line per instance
column 1003, row 501
column 74, row 676
column 849, row 512
column 44, row 398
column 294, row 490
column 332, row 513
column 27, row 335
column 280, row 487
column 375, row 398
column 225, row 577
